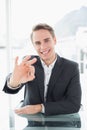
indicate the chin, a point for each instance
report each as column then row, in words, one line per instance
column 45, row 59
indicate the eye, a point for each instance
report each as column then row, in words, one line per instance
column 37, row 43
column 47, row 40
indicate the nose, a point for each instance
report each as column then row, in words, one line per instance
column 42, row 45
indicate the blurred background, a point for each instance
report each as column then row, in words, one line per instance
column 69, row 20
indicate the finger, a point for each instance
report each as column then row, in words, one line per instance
column 32, row 71
column 31, row 62
column 26, row 58
column 18, row 111
column 16, row 60
column 21, row 110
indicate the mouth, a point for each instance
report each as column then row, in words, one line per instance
column 45, row 52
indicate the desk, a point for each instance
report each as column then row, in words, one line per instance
column 75, row 121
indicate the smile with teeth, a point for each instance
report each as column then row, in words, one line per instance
column 45, row 52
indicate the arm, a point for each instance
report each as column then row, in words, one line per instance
column 22, row 73
column 70, row 102
column 9, row 89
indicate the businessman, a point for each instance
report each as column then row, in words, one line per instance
column 52, row 83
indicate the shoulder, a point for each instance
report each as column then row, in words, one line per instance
column 68, row 64
column 35, row 56
column 38, row 62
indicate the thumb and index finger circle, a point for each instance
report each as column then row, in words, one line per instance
column 26, row 60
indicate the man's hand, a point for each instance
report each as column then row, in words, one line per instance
column 23, row 72
column 29, row 109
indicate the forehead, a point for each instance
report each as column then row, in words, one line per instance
column 41, row 34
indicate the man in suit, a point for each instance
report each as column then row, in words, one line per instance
column 52, row 83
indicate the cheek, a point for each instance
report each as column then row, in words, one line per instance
column 52, row 46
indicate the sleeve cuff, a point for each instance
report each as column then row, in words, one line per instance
column 13, row 88
column 43, row 109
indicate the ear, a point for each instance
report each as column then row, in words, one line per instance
column 55, row 40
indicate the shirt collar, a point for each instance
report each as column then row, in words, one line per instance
column 51, row 65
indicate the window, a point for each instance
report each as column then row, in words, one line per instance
column 16, row 20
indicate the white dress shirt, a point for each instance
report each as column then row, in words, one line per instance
column 47, row 75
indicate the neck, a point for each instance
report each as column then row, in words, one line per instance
column 50, row 61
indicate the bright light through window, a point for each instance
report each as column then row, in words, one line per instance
column 26, row 13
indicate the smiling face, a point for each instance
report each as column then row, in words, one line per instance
column 44, row 44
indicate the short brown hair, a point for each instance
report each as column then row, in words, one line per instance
column 43, row 26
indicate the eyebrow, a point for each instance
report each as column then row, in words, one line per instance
column 43, row 39
column 47, row 38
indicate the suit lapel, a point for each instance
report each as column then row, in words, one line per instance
column 55, row 74
column 40, row 77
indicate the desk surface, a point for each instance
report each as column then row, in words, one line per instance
column 12, row 121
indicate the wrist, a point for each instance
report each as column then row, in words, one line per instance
column 38, row 107
column 13, row 83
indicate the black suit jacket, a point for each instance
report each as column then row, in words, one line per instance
column 64, row 90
